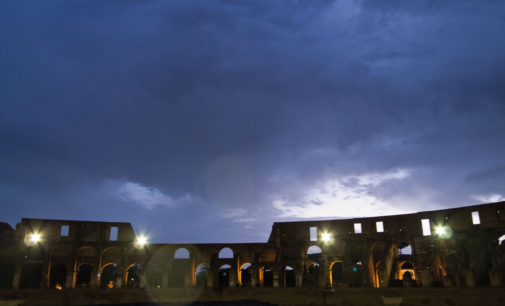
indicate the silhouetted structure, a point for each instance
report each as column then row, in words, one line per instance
column 450, row 247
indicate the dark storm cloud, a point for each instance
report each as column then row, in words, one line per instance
column 233, row 114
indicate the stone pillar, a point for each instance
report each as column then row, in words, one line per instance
column 164, row 278
column 469, row 279
column 210, row 278
column 232, row 278
column 495, row 278
column 17, row 276
column 93, row 282
column 426, row 278
column 275, row 275
column 188, row 280
column 299, row 279
column 324, row 275
column 120, row 271
column 44, row 280
column 254, row 277
column 69, row 280
column 447, row 282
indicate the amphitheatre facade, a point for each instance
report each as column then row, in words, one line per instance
column 458, row 247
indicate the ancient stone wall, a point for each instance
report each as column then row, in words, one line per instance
column 450, row 247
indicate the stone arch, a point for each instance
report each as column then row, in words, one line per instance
column 201, row 275
column 223, row 280
column 314, row 253
column 376, row 264
column 180, row 272
column 289, row 277
column 83, row 275
column 244, row 276
column 404, row 249
column 266, row 276
column 406, row 268
column 225, row 253
column 57, row 275
column 336, row 272
column 133, row 276
column 108, row 274
column 182, row 253
column 110, row 255
column 59, row 266
column 156, row 268
column 85, row 258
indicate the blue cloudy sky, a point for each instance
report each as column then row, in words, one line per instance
column 206, row 121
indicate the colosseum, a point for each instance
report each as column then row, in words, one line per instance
column 457, row 247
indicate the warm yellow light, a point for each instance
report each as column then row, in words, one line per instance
column 142, row 240
column 326, row 237
column 440, row 230
column 32, row 239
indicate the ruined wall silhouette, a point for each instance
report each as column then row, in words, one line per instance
column 456, row 247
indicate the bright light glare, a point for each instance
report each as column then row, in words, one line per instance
column 35, row 238
column 326, row 237
column 440, row 230
column 141, row 240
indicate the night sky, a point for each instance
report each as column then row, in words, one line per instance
column 207, row 121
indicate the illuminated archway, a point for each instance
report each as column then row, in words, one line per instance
column 202, row 275
column 133, row 276
column 108, row 276
column 336, row 272
column 224, row 276
column 266, row 277
column 245, row 274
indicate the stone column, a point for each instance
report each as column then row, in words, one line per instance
column 17, row 276
column 495, row 278
column 44, row 280
column 469, row 279
column 254, row 277
column 299, row 279
column 211, row 275
column 275, row 276
column 232, row 278
column 120, row 275
column 69, row 280
column 426, row 277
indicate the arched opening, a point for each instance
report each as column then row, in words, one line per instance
column 31, row 276
column 180, row 269
column 202, row 275
column 225, row 253
column 58, row 275
column 224, row 276
column 311, row 277
column 314, row 253
column 83, row 276
column 289, row 277
column 406, row 271
column 182, row 253
column 156, row 267
column 108, row 276
column 267, row 277
column 404, row 249
column 245, row 275
column 133, row 276
column 6, row 275
column 336, row 273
